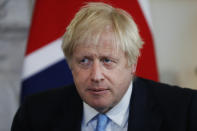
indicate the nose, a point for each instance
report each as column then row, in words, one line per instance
column 96, row 72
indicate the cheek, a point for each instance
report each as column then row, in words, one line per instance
column 80, row 76
column 121, row 79
column 117, row 75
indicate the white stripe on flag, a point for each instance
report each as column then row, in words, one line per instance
column 145, row 6
column 42, row 58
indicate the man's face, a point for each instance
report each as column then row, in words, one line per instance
column 101, row 73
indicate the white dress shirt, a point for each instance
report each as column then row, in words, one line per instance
column 118, row 115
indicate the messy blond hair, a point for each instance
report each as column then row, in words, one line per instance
column 92, row 19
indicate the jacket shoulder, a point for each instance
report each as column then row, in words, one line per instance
column 42, row 110
column 171, row 99
column 176, row 104
column 165, row 90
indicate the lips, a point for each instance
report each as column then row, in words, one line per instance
column 99, row 91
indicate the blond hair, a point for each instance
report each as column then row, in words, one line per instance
column 92, row 19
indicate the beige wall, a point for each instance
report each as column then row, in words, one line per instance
column 175, row 31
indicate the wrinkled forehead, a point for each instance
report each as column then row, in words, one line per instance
column 100, row 39
column 97, row 51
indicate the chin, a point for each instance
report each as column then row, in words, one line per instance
column 101, row 106
column 102, row 109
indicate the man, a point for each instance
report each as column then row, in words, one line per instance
column 101, row 46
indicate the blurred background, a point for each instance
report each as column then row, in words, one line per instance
column 174, row 26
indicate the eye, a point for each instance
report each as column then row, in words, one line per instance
column 84, row 61
column 107, row 60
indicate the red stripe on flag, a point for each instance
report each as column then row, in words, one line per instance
column 49, row 21
column 52, row 16
column 147, row 65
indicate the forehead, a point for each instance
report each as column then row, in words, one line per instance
column 105, row 39
column 102, row 49
column 104, row 43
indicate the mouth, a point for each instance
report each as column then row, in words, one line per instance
column 98, row 91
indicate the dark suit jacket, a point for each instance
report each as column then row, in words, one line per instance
column 153, row 107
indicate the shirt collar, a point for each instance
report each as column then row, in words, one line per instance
column 89, row 113
column 118, row 114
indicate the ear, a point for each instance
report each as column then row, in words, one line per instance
column 133, row 68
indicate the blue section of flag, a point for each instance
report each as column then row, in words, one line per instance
column 55, row 76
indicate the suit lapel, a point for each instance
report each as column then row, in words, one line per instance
column 144, row 113
column 72, row 114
